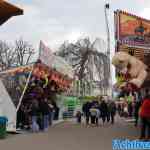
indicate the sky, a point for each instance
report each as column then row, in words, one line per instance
column 60, row 20
column 54, row 21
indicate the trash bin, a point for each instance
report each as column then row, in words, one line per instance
column 3, row 124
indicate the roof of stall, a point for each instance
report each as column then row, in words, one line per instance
column 8, row 10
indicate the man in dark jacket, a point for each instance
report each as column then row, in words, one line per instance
column 104, row 110
column 86, row 110
column 112, row 110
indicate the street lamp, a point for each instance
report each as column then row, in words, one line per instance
column 106, row 9
column 107, row 30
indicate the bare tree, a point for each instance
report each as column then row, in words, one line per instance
column 24, row 52
column 7, row 55
column 89, row 64
column 15, row 55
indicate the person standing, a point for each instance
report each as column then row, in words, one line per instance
column 21, row 117
column 44, row 108
column 34, row 114
column 51, row 114
column 136, row 112
column 145, row 117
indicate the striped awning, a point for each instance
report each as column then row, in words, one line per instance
column 8, row 10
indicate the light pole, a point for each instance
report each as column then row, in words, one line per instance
column 106, row 9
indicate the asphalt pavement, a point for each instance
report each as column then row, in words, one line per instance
column 71, row 136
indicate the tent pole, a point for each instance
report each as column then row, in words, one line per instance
column 20, row 101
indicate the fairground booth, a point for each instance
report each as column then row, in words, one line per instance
column 132, row 36
column 48, row 76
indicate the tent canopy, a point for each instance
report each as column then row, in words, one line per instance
column 8, row 10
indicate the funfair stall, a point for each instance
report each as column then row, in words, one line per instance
column 49, row 74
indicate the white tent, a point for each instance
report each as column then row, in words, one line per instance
column 7, row 108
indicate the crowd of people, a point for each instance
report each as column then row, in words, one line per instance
column 139, row 109
column 38, row 108
column 96, row 110
column 37, row 115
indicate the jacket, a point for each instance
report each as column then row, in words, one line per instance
column 145, row 109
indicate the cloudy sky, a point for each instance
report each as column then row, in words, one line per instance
column 54, row 21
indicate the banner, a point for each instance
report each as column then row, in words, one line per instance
column 132, row 30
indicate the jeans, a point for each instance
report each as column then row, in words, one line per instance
column 35, row 126
column 46, row 122
column 51, row 118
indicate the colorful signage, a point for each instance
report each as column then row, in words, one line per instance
column 132, row 30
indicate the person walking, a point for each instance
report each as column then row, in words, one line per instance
column 86, row 110
column 112, row 109
column 119, row 109
column 94, row 113
column 145, row 117
column 97, row 106
column 51, row 114
column 79, row 116
column 108, row 110
column 104, row 110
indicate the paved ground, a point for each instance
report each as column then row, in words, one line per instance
column 70, row 136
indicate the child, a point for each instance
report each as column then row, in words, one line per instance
column 94, row 112
column 79, row 116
